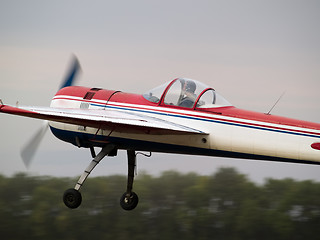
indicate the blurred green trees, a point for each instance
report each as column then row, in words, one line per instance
column 225, row 205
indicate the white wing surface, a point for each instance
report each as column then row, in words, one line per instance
column 103, row 119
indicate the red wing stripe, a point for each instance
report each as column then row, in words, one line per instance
column 15, row 111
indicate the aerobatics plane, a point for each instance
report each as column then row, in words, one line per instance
column 182, row 116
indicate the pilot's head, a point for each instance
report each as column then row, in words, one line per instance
column 190, row 86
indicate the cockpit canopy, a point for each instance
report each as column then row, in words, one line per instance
column 187, row 93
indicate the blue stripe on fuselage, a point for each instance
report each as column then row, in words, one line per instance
column 206, row 120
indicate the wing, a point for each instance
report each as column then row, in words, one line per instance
column 103, row 119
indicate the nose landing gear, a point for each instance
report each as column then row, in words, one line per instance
column 129, row 200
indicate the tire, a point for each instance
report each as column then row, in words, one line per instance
column 72, row 198
column 129, row 203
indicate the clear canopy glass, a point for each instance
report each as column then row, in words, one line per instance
column 187, row 93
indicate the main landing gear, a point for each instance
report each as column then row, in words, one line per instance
column 129, row 200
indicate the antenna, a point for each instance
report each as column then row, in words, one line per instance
column 275, row 103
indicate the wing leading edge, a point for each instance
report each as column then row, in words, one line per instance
column 103, row 119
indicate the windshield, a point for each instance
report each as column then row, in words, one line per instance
column 155, row 94
column 184, row 92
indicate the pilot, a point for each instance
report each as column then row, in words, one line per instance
column 189, row 97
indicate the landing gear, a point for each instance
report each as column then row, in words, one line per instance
column 129, row 200
column 72, row 197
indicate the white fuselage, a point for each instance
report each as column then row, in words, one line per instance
column 232, row 136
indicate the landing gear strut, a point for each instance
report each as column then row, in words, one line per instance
column 129, row 200
column 72, row 197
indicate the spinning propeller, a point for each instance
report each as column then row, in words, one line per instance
column 30, row 148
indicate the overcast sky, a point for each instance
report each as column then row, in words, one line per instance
column 249, row 51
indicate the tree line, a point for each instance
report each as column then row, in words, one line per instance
column 225, row 205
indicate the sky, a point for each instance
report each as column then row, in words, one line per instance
column 249, row 51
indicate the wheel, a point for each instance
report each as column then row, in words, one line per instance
column 129, row 203
column 72, row 198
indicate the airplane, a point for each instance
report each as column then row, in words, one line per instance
column 182, row 116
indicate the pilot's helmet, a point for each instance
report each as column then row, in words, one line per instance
column 190, row 86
